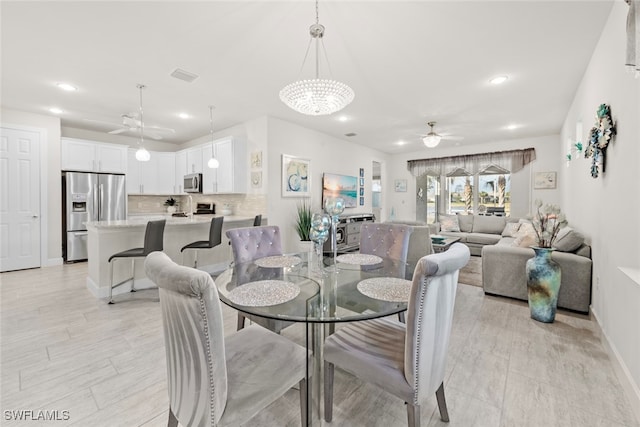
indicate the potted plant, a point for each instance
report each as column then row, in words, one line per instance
column 171, row 203
column 543, row 274
column 303, row 223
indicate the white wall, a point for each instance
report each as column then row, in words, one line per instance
column 50, row 162
column 608, row 207
column 327, row 154
column 548, row 158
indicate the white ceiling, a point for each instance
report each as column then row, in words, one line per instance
column 408, row 62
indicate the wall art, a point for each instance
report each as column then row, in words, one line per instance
column 256, row 159
column 400, row 185
column 295, row 176
column 256, row 179
column 600, row 135
column 544, row 180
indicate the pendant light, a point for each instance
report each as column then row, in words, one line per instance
column 213, row 163
column 142, row 155
column 317, row 96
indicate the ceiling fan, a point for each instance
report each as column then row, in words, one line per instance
column 131, row 123
column 432, row 139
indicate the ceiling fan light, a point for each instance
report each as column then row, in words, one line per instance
column 431, row 141
column 142, row 155
column 213, row 163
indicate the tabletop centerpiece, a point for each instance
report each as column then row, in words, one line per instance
column 544, row 274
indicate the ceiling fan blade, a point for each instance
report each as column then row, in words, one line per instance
column 117, row 131
column 112, row 124
column 153, row 135
column 452, row 137
column 160, row 129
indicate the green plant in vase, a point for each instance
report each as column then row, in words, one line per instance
column 303, row 221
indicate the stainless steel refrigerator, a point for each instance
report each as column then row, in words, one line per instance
column 88, row 197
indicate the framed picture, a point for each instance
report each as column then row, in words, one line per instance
column 361, row 182
column 295, row 177
column 544, row 180
column 362, row 191
column 361, row 173
column 256, row 159
column 400, row 185
column 361, row 201
column 256, row 179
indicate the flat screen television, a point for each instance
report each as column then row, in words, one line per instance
column 344, row 186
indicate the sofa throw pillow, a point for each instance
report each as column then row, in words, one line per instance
column 525, row 241
column 449, row 223
column 510, row 229
column 569, row 242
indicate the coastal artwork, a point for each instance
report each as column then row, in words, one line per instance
column 344, row 186
column 295, row 177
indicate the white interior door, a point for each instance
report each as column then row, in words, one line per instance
column 19, row 199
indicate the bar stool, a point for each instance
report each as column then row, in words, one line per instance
column 153, row 238
column 257, row 221
column 215, row 238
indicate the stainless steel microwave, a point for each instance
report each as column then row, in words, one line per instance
column 193, row 183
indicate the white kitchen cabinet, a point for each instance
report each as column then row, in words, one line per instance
column 209, row 176
column 90, row 156
column 232, row 173
column 156, row 176
column 181, row 170
column 194, row 160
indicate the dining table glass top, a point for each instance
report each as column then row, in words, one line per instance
column 304, row 288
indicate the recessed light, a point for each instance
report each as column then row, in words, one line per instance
column 512, row 126
column 498, row 80
column 55, row 110
column 343, row 118
column 184, row 116
column 401, row 142
column 67, row 87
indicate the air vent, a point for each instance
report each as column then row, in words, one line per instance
column 184, row 75
column 350, row 134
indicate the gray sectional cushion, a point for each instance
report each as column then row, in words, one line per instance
column 569, row 242
column 489, row 224
column 483, row 238
column 466, row 223
column 449, row 223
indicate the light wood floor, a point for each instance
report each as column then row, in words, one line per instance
column 62, row 349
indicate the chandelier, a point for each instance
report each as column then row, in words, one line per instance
column 142, row 155
column 213, row 163
column 316, row 97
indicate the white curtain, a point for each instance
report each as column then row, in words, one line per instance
column 633, row 35
column 512, row 161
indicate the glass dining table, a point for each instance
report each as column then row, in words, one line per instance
column 311, row 289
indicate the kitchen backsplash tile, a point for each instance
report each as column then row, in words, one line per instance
column 241, row 204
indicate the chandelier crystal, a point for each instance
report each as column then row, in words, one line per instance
column 316, row 97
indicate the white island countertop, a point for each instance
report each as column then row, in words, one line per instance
column 141, row 220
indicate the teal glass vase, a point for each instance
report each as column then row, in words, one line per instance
column 543, row 285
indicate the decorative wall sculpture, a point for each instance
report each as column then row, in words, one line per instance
column 600, row 135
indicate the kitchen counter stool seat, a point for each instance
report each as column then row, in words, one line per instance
column 215, row 238
column 153, row 241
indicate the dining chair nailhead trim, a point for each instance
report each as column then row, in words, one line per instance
column 205, row 324
column 416, row 371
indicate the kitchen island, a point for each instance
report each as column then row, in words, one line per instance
column 106, row 238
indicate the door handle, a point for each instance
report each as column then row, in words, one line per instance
column 34, row 216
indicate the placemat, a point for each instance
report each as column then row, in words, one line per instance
column 386, row 289
column 264, row 293
column 277, row 261
column 359, row 259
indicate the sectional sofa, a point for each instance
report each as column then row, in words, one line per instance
column 505, row 252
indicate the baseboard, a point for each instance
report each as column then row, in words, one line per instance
column 54, row 261
column 101, row 292
column 622, row 372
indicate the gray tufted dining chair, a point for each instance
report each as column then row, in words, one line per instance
column 216, row 380
column 386, row 241
column 409, row 360
column 248, row 244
